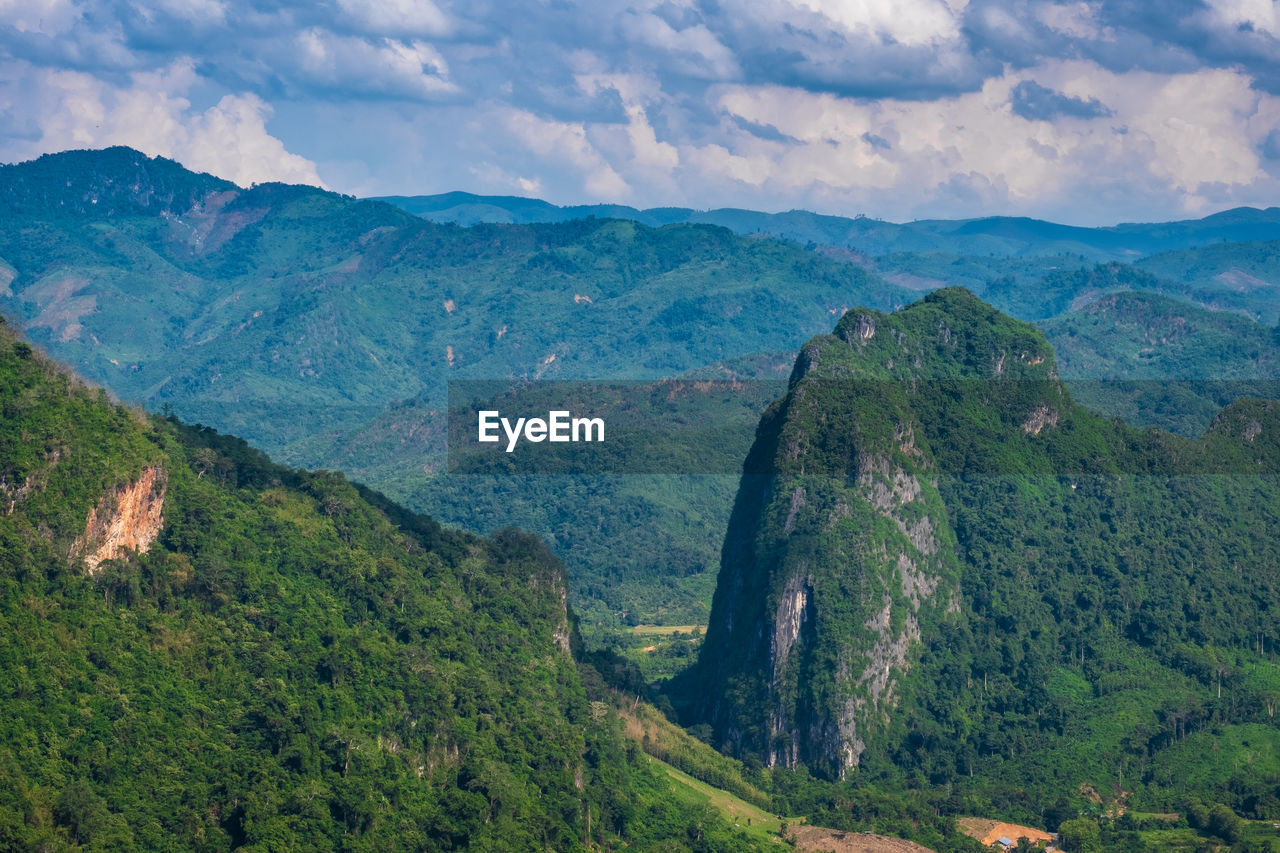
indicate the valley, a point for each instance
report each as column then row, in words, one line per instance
column 956, row 518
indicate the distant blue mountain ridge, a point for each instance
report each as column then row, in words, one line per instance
column 999, row 236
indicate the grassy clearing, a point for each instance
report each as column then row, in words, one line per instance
column 665, row 630
column 1171, row 839
column 750, row 819
column 666, row 741
column 1261, row 835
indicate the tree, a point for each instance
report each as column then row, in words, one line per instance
column 1081, row 836
column 1057, row 814
column 1224, row 823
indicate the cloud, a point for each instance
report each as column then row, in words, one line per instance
column 76, row 110
column 763, row 131
column 691, row 50
column 1034, row 102
column 495, row 179
column 906, row 22
column 231, row 140
column 892, row 106
column 43, row 17
column 382, row 67
column 864, row 48
column 569, row 142
column 1074, row 20
column 1188, row 139
column 203, row 13
column 1252, row 15
column 404, row 18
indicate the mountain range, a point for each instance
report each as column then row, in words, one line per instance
column 1001, row 236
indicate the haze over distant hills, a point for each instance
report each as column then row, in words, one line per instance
column 1001, row 236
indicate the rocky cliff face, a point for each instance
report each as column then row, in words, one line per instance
column 839, row 555
column 126, row 519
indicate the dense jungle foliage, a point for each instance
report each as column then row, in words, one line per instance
column 294, row 663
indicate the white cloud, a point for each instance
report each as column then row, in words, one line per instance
column 1189, row 138
column 647, row 150
column 231, row 140
column 152, row 114
column 636, row 141
column 45, row 17
column 1077, row 20
column 495, row 179
column 716, row 160
column 200, row 12
column 398, row 17
column 908, row 22
column 568, row 141
column 693, row 50
column 1262, row 15
column 388, row 67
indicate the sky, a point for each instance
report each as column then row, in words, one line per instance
column 1088, row 113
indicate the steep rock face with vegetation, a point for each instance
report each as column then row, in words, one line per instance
column 940, row 568
column 202, row 650
column 840, row 554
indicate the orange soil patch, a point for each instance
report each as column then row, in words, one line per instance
column 817, row 839
column 988, row 832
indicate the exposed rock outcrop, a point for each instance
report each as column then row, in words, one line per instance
column 126, row 519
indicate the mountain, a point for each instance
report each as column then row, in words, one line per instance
column 113, row 182
column 941, row 570
column 280, row 311
column 316, row 325
column 1029, row 268
column 1003, row 236
column 203, row 650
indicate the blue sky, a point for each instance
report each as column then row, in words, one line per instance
column 1082, row 112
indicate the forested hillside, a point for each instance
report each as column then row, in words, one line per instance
column 326, row 330
column 1156, row 361
column 941, row 570
column 201, row 650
